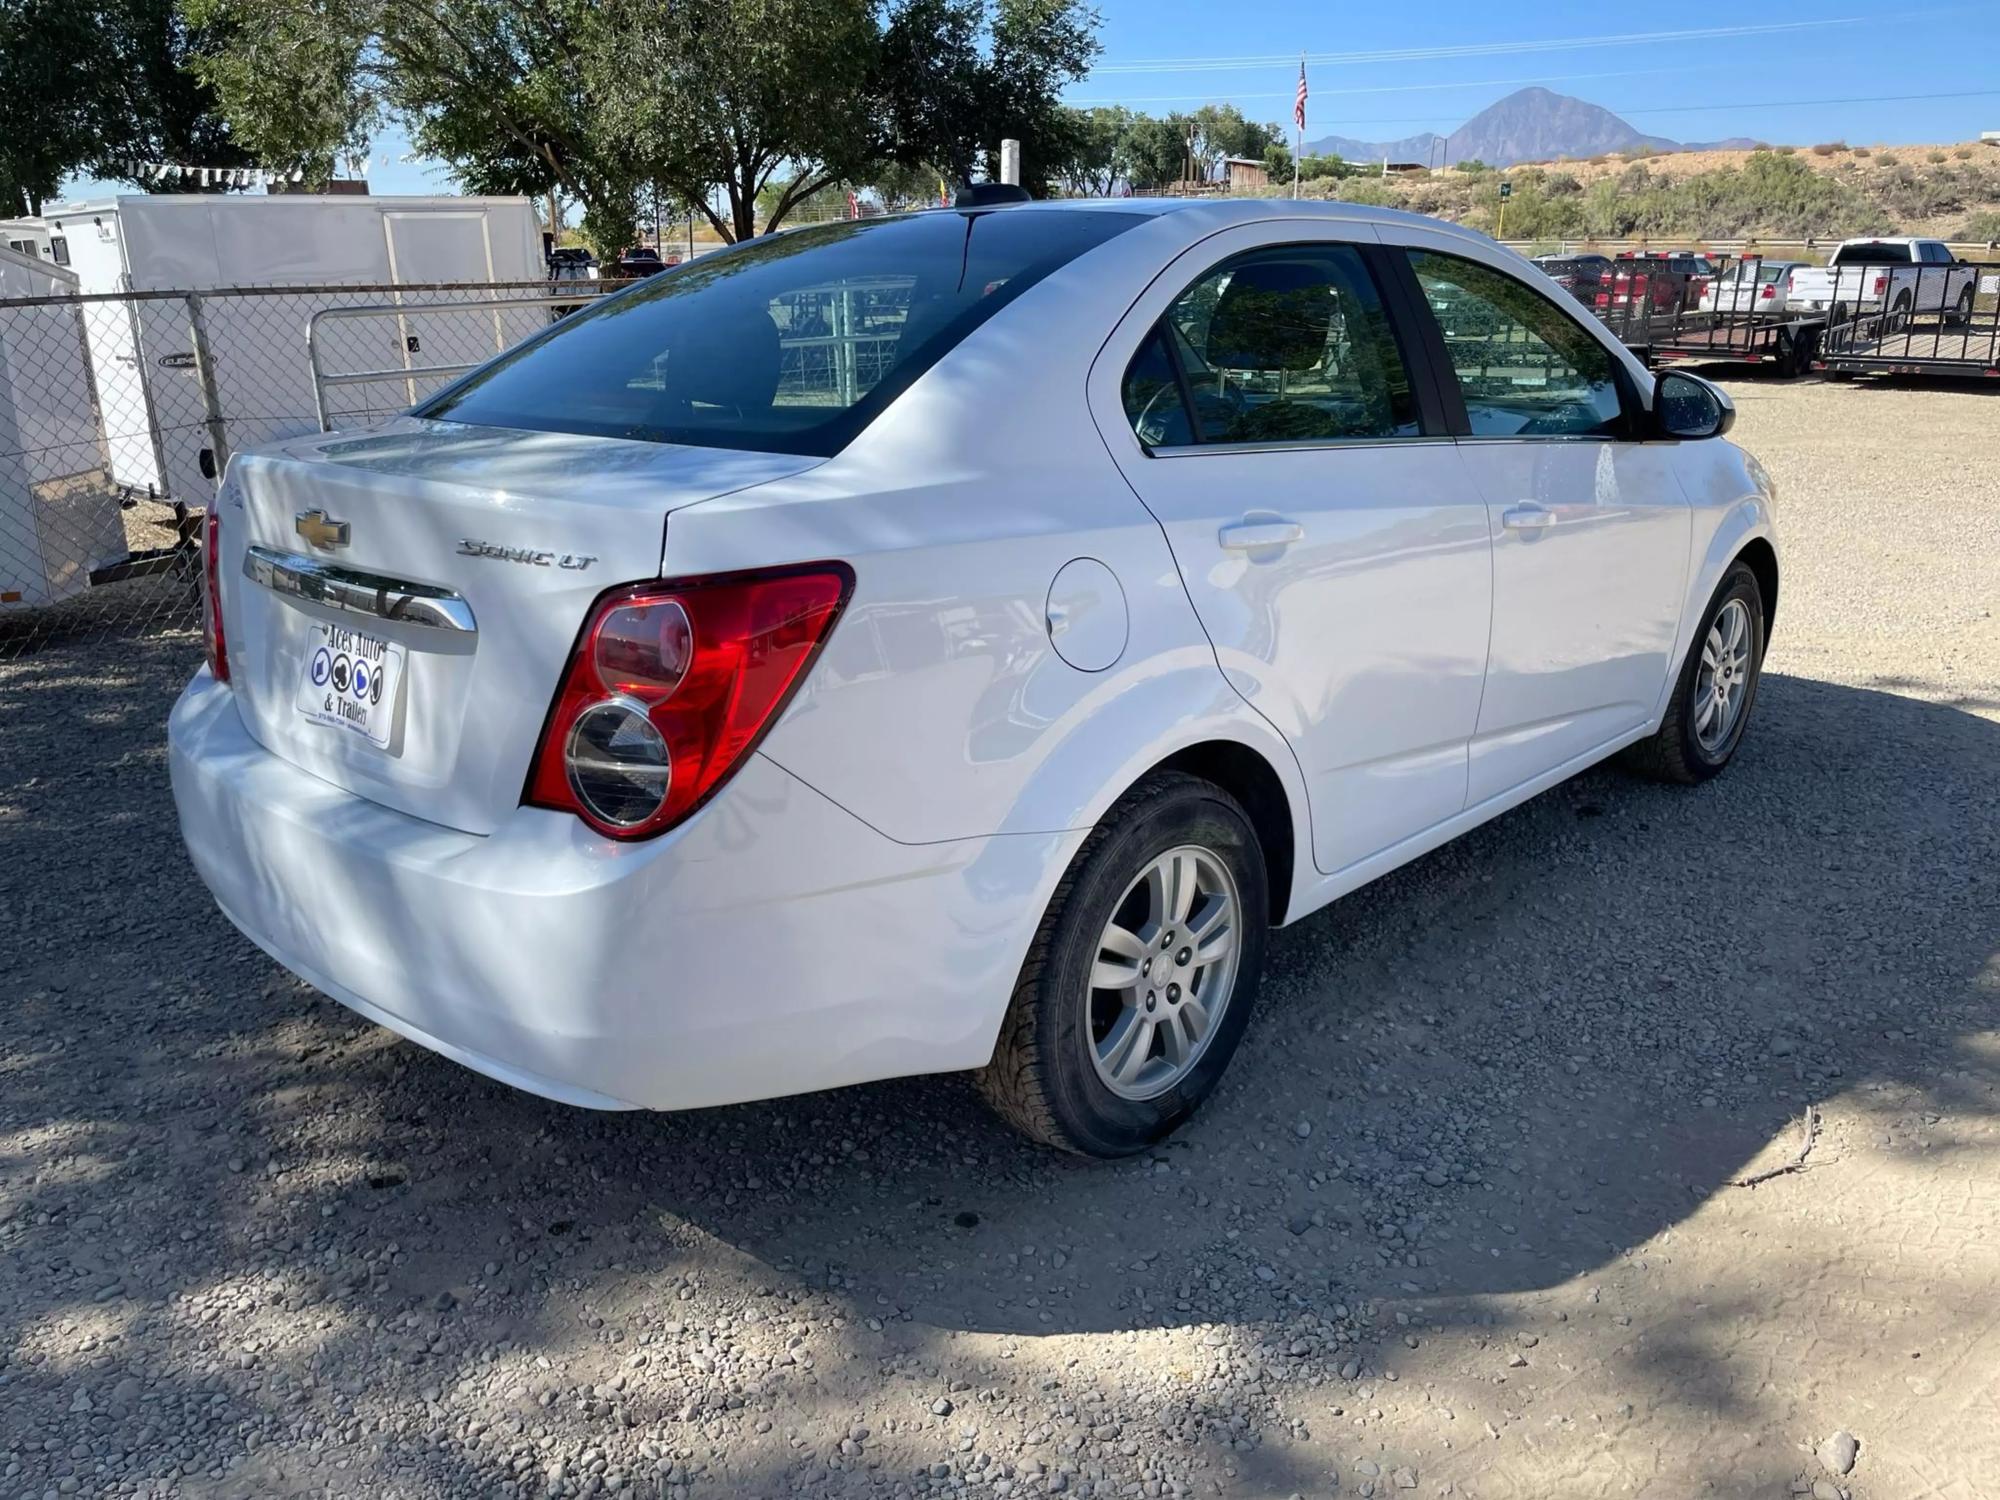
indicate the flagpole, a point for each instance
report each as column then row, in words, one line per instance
column 1299, row 154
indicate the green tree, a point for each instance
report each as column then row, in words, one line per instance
column 1101, row 157
column 1156, row 150
column 100, row 86
column 1222, row 131
column 591, row 99
column 741, row 94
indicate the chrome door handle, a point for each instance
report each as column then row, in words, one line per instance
column 1527, row 518
column 1247, row 536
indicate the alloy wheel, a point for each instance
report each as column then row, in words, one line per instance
column 1722, row 686
column 1164, row 972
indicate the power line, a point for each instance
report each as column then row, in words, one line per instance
column 1471, row 49
column 1399, row 88
column 1686, row 109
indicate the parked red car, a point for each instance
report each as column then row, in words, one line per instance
column 1666, row 281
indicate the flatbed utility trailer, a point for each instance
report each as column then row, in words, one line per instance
column 1665, row 315
column 1958, row 339
column 1791, row 343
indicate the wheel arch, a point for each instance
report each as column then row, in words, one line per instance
column 1254, row 782
column 1761, row 558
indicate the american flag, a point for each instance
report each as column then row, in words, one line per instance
column 1299, row 104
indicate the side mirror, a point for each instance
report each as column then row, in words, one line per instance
column 1686, row 406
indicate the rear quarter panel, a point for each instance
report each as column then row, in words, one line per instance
column 940, row 708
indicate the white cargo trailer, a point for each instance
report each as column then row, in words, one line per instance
column 59, row 516
column 149, row 388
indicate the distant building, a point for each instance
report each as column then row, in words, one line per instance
column 1404, row 168
column 1246, row 172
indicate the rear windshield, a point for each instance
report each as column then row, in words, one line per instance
column 791, row 343
column 1871, row 255
column 1760, row 270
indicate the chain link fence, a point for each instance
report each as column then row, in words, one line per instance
column 118, row 411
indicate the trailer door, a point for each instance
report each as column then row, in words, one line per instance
column 426, row 247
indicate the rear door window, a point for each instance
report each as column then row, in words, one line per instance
column 791, row 343
column 1289, row 344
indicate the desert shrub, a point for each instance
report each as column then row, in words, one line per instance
column 1640, row 153
column 1936, row 158
column 1788, row 150
column 1863, row 151
column 1599, row 160
column 1374, row 192
column 1770, row 194
column 1886, row 160
column 1909, row 194
column 1963, row 153
column 1983, row 226
column 1829, row 148
column 1562, row 185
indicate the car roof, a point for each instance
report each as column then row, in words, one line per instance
column 1222, row 212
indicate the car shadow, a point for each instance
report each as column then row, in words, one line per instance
column 1500, row 1068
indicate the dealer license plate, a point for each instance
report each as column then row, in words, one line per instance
column 351, row 681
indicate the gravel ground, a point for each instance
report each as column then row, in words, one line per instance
column 1467, row 1218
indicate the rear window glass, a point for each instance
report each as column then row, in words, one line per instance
column 791, row 343
column 1871, row 255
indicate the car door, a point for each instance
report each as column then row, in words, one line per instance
column 1590, row 527
column 1262, row 404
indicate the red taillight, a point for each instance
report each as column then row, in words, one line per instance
column 1769, row 293
column 1881, row 285
column 670, row 687
column 211, row 597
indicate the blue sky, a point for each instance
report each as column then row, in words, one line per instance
column 1384, row 72
column 1162, row 55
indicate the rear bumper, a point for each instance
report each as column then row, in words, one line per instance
column 773, row 945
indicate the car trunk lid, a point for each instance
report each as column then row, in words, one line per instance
column 452, row 566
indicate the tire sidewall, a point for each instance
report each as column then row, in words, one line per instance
column 1738, row 583
column 1100, row 1122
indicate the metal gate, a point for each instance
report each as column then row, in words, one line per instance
column 1915, row 320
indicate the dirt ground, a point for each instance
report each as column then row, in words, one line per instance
column 1470, row 1216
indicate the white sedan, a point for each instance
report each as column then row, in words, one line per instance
column 1752, row 285
column 951, row 642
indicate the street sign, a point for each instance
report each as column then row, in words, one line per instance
column 1506, row 189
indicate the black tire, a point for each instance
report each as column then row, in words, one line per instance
column 1043, row 1079
column 1899, row 316
column 1961, row 313
column 1675, row 753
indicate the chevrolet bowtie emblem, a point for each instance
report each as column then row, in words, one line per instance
column 316, row 527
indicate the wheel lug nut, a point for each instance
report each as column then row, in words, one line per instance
column 1184, row 956
column 1174, row 993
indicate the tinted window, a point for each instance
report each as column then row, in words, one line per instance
column 1524, row 367
column 1153, row 401
column 791, row 343
column 1289, row 345
column 1871, row 255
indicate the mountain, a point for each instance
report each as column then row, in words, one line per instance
column 1532, row 124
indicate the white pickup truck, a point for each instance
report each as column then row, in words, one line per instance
column 1907, row 279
